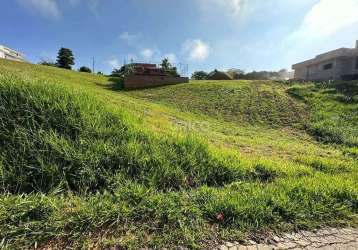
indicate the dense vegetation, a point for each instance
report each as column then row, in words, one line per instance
column 238, row 74
column 83, row 164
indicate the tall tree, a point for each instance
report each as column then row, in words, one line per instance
column 166, row 65
column 168, row 68
column 65, row 58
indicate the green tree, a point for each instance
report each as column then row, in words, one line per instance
column 166, row 65
column 118, row 72
column 85, row 69
column 65, row 58
column 125, row 70
column 168, row 68
column 199, row 75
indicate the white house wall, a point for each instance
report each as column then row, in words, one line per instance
column 10, row 54
column 2, row 53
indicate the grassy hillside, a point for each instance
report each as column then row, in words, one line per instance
column 253, row 103
column 84, row 164
column 334, row 117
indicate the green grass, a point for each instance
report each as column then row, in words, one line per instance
column 334, row 106
column 253, row 103
column 83, row 164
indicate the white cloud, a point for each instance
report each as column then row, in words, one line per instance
column 129, row 38
column 196, row 50
column 47, row 8
column 93, row 6
column 50, row 8
column 114, row 63
column 233, row 8
column 131, row 57
column 171, row 57
column 326, row 18
column 147, row 54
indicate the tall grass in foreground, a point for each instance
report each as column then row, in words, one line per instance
column 56, row 140
column 76, row 172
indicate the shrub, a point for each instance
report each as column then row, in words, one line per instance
column 199, row 75
column 47, row 63
column 123, row 71
column 85, row 69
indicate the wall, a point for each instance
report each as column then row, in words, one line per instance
column 2, row 53
column 316, row 72
column 10, row 54
column 300, row 73
column 345, row 66
column 144, row 81
column 320, row 74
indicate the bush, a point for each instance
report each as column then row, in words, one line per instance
column 199, row 75
column 123, row 71
column 47, row 63
column 85, row 69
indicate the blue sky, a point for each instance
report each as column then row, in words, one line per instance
column 205, row 34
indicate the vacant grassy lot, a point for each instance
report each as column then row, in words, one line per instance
column 84, row 164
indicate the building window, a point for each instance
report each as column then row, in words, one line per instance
column 357, row 62
column 327, row 66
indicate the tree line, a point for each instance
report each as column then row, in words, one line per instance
column 236, row 74
column 65, row 60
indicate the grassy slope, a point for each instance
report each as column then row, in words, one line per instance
column 254, row 103
column 136, row 165
column 335, row 111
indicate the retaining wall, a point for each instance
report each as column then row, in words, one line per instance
column 145, row 81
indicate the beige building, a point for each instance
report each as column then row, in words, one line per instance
column 340, row 64
column 10, row 54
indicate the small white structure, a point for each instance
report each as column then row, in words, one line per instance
column 10, row 54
